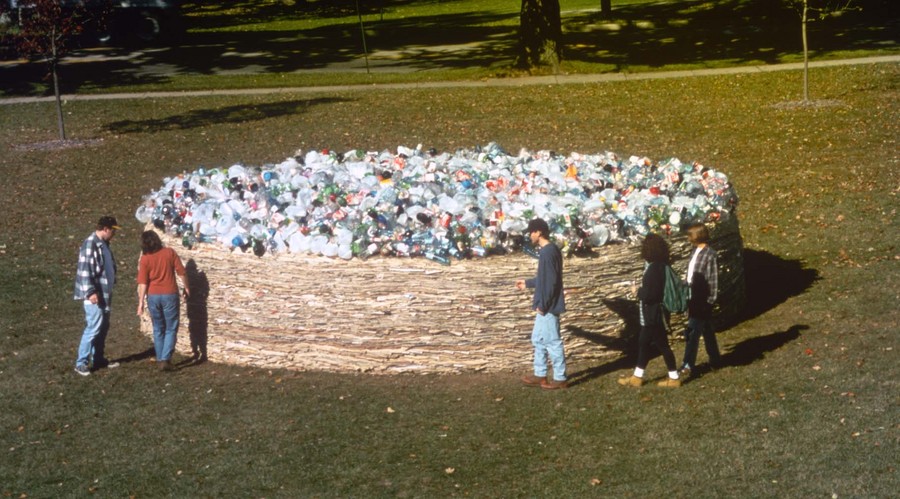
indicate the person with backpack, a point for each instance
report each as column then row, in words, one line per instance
column 703, row 278
column 655, row 253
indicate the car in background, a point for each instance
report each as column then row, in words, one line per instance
column 141, row 22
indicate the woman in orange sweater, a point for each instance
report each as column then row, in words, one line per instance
column 157, row 286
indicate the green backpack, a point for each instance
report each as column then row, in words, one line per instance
column 676, row 292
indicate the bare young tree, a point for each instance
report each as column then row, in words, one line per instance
column 540, row 34
column 46, row 28
column 810, row 11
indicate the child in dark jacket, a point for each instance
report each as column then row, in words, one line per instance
column 655, row 253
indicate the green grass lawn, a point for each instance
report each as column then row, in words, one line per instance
column 807, row 406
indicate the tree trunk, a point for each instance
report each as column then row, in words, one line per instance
column 805, row 52
column 59, row 111
column 540, row 34
column 54, row 62
column 362, row 32
column 606, row 9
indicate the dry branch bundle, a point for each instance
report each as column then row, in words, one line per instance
column 391, row 315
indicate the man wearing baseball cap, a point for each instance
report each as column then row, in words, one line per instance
column 548, row 303
column 94, row 280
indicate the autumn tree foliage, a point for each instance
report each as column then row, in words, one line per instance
column 540, row 34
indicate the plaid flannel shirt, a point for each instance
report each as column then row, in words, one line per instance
column 707, row 265
column 90, row 275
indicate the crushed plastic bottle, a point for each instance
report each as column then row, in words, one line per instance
column 441, row 206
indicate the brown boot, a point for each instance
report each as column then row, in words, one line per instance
column 631, row 381
column 670, row 383
column 166, row 366
column 532, row 380
column 554, row 385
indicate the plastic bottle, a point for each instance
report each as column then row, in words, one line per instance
column 434, row 257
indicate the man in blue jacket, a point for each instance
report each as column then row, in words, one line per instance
column 549, row 303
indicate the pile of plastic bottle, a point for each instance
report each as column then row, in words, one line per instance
column 442, row 206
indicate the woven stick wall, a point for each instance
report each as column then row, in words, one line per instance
column 392, row 315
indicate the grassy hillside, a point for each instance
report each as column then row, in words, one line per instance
column 807, row 406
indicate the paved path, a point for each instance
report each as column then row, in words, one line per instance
column 494, row 82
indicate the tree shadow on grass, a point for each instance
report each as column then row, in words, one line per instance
column 231, row 114
column 641, row 35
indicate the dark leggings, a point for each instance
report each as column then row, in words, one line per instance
column 656, row 336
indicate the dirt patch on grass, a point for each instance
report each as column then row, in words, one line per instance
column 809, row 104
column 55, row 145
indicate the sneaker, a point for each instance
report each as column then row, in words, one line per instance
column 670, row 383
column 685, row 372
column 165, row 365
column 106, row 364
column 83, row 370
column 554, row 385
column 532, row 380
column 631, row 381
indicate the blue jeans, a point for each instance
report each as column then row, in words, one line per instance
column 164, row 315
column 695, row 329
column 546, row 340
column 93, row 339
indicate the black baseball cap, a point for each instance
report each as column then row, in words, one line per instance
column 108, row 221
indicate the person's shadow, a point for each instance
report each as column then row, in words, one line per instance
column 754, row 349
column 625, row 344
column 137, row 357
column 197, row 312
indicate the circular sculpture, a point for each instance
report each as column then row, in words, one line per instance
column 267, row 299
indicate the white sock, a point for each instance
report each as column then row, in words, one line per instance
column 638, row 372
column 673, row 374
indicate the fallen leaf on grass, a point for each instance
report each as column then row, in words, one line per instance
column 596, row 481
column 389, row 410
column 450, row 471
